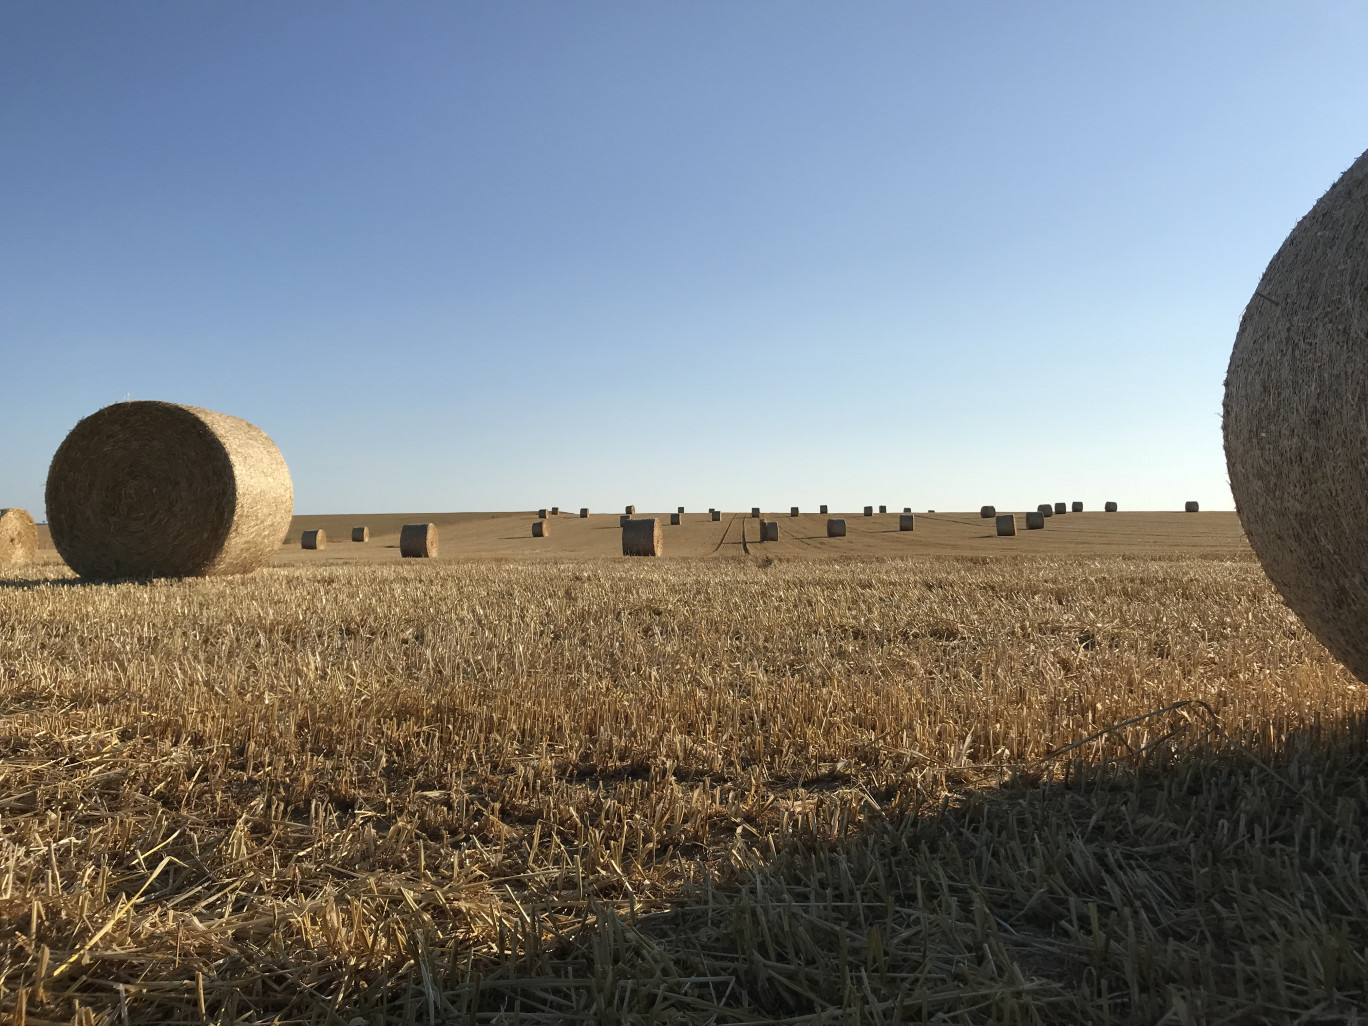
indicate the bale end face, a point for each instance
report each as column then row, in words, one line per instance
column 1190, row 507
column 836, row 527
column 1035, row 521
column 316, row 539
column 18, row 536
column 360, row 534
column 539, row 528
column 418, row 541
column 1006, row 526
column 641, row 537
column 1110, row 507
column 906, row 522
column 675, row 518
column 716, row 515
column 1078, row 507
column 987, row 512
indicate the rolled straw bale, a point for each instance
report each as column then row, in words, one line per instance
column 869, row 511
column 555, row 511
column 1109, row 507
column 1035, row 521
column 1190, row 507
column 18, row 536
column 539, row 528
column 883, row 509
column 674, row 519
column 755, row 512
column 793, row 511
column 1061, row 508
column 907, row 509
column 418, row 541
column 622, row 520
column 987, row 512
column 680, row 511
column 822, row 509
column 1045, row 509
column 836, row 527
column 641, row 537
column 717, row 514
column 360, row 534
column 630, row 511
column 315, row 539
column 1006, row 525
column 584, row 512
column 542, row 513
column 772, row 530
column 906, row 522
column 1295, row 440
column 1078, row 507
column 153, row 489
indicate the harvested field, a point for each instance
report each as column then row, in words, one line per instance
column 1044, row 789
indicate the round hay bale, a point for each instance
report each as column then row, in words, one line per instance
column 822, row 509
column 418, row 541
column 1045, row 509
column 1035, row 521
column 642, row 537
column 675, row 518
column 584, row 512
column 1077, row 507
column 906, row 522
column 1006, row 525
column 360, row 534
column 883, row 509
column 836, row 527
column 630, row 511
column 793, row 511
column 907, row 509
column 153, row 489
column 680, row 511
column 717, row 514
column 755, row 512
column 555, row 511
column 1109, row 507
column 869, row 511
column 315, row 539
column 541, row 513
column 1190, row 506
column 769, row 530
column 987, row 512
column 1061, row 508
column 539, row 528
column 18, row 536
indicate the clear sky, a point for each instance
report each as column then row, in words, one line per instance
column 504, row 255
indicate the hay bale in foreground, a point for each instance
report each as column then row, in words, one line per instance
column 836, row 527
column 18, row 536
column 153, row 489
column 717, row 514
column 1078, row 507
column 539, row 528
column 906, row 522
column 1035, row 521
column 987, row 512
column 1190, row 507
column 1061, row 508
column 869, row 511
column 822, row 509
column 769, row 530
column 584, row 512
column 641, row 537
column 1006, row 525
column 675, row 519
column 418, row 541
column 315, row 539
column 1045, row 509
column 360, row 534
column 1110, row 507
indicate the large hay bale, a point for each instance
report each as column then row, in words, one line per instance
column 1061, row 508
column 769, row 530
column 987, row 512
column 152, row 489
column 584, row 512
column 314, row 539
column 1190, row 506
column 360, row 534
column 418, row 541
column 18, row 536
column 1110, row 507
column 869, row 511
column 675, row 519
column 793, row 511
column 641, row 537
column 822, row 509
column 1077, row 507
column 539, row 528
column 1295, row 439
column 836, row 527
column 717, row 514
column 1045, row 509
column 906, row 522
column 1006, row 525
column 1035, row 521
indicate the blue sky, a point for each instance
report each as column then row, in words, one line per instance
column 497, row 256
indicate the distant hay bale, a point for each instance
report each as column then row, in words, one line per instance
column 906, row 522
column 1045, row 509
column 1035, row 521
column 717, row 514
column 674, row 519
column 18, row 536
column 1061, row 508
column 360, row 534
column 630, row 511
column 769, row 530
column 641, row 537
column 869, row 511
column 836, row 527
column 755, row 512
column 1078, row 507
column 680, row 511
column 584, row 512
column 987, row 512
column 542, row 513
column 1006, row 525
column 418, row 541
column 907, row 509
column 153, row 489
column 315, row 539
column 539, row 528
column 822, row 509
column 555, row 511
column 883, row 509
column 1190, row 507
column 793, row 511
column 1110, row 507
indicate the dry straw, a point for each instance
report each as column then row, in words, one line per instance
column 418, row 541
column 1006, row 526
column 555, row 511
column 542, row 513
column 539, row 528
column 18, row 536
column 360, row 534
column 1110, row 507
column 987, row 512
column 315, row 539
column 623, row 519
column 883, row 509
column 153, row 489
column 675, row 518
column 906, row 522
column 680, row 510
column 641, row 537
column 1190, row 506
column 907, row 509
column 1078, row 507
column 836, row 527
column 1035, row 521
column 630, row 511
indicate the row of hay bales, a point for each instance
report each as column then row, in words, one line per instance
column 416, row 541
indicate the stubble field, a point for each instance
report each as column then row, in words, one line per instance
column 1063, row 787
